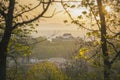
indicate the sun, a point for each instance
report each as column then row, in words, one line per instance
column 108, row 8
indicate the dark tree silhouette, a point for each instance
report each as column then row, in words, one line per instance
column 10, row 19
column 105, row 26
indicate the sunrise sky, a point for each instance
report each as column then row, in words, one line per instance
column 56, row 25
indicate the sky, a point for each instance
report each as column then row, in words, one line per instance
column 57, row 29
column 56, row 25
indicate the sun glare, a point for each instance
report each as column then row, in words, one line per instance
column 108, row 9
column 77, row 11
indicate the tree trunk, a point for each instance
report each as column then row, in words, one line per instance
column 2, row 64
column 107, row 65
column 5, row 39
column 3, row 53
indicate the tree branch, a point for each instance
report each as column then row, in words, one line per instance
column 73, row 19
column 50, row 15
column 93, row 56
column 117, row 34
column 34, row 19
column 111, row 30
column 116, row 56
column 112, row 46
column 93, row 14
column 117, row 52
column 28, row 10
column 2, row 13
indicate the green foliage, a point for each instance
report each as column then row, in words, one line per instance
column 83, row 50
column 94, row 33
column 18, row 47
column 40, row 71
column 45, row 71
column 81, row 54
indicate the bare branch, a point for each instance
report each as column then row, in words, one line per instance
column 117, row 52
column 95, row 54
column 111, row 30
column 117, row 34
column 93, row 14
column 51, row 15
column 34, row 19
column 28, row 10
column 92, row 56
column 112, row 46
column 114, row 59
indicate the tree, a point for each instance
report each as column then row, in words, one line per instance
column 76, row 69
column 14, row 15
column 107, row 30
